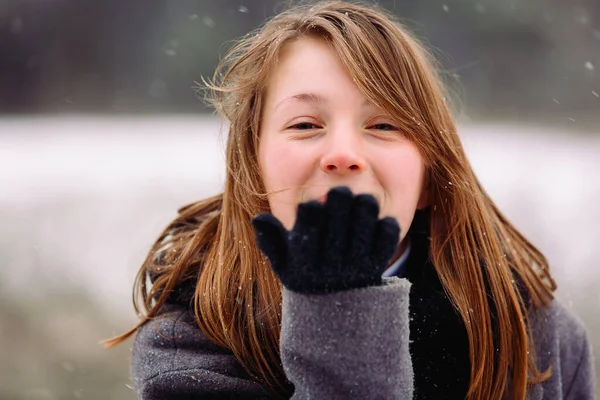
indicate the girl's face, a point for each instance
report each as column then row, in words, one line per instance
column 318, row 131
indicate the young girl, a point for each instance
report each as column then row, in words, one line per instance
column 352, row 254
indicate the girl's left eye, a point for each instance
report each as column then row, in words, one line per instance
column 383, row 127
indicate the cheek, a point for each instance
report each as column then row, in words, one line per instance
column 402, row 180
column 284, row 170
column 281, row 165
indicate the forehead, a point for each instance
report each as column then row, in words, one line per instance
column 306, row 70
column 304, row 55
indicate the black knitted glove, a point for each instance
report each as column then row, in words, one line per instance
column 334, row 246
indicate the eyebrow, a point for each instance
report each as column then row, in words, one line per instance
column 314, row 98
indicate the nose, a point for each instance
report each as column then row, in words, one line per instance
column 343, row 154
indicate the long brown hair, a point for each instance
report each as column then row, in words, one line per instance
column 476, row 251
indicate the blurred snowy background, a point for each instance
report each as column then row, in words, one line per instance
column 102, row 138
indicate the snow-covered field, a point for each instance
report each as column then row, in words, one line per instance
column 82, row 198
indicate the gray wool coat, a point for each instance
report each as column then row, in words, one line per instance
column 346, row 345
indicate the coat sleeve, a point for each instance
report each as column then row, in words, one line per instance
column 348, row 345
column 172, row 359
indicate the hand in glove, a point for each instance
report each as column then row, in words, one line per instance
column 335, row 246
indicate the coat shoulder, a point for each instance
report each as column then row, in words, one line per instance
column 556, row 325
column 172, row 359
column 562, row 344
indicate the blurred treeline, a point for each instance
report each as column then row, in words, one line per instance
column 503, row 59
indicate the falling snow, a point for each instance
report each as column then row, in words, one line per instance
column 208, row 21
column 589, row 65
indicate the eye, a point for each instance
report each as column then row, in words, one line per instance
column 302, row 130
column 302, row 126
column 383, row 127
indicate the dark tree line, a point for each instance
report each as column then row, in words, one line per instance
column 515, row 57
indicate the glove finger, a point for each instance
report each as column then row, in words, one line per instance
column 387, row 239
column 308, row 215
column 338, row 209
column 271, row 237
column 305, row 239
column 362, row 230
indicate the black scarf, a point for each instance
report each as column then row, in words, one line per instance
column 439, row 346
